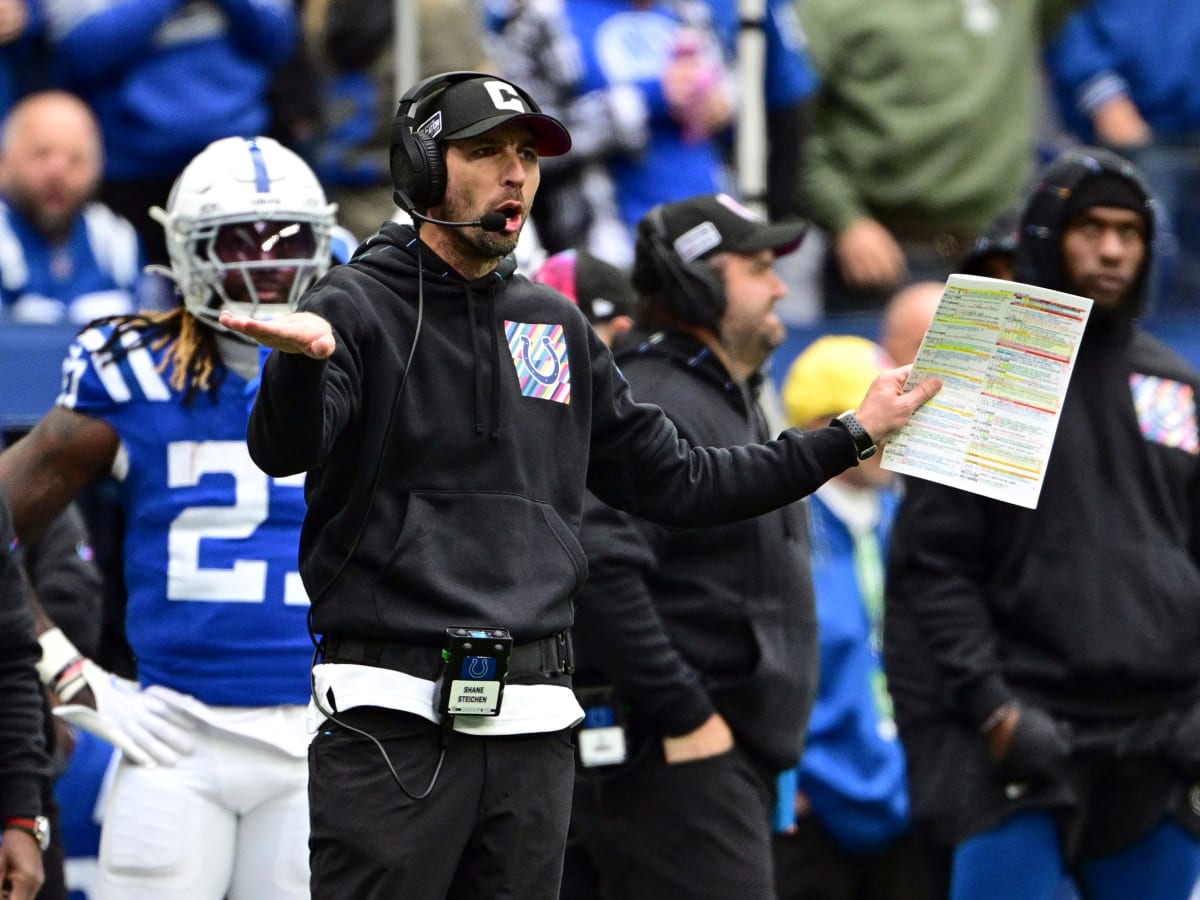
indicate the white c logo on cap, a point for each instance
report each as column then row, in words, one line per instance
column 503, row 96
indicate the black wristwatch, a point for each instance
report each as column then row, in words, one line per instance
column 864, row 444
column 37, row 827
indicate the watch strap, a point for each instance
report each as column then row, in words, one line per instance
column 37, row 827
column 864, row 444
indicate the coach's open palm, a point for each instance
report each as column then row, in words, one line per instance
column 300, row 332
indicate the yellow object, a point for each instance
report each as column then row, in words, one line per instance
column 831, row 376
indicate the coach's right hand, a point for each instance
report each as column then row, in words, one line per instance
column 299, row 332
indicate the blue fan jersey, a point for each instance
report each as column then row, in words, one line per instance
column 216, row 608
column 95, row 272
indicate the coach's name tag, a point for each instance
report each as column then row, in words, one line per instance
column 473, row 698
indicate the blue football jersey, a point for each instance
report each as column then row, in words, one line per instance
column 216, row 607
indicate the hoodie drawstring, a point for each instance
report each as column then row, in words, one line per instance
column 474, row 329
column 496, row 363
column 493, row 415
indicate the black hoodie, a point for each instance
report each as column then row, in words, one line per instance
column 458, row 502
column 24, row 764
column 1089, row 605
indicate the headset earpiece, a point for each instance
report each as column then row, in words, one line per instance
column 418, row 167
column 694, row 289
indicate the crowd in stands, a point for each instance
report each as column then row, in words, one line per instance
column 907, row 134
column 900, row 133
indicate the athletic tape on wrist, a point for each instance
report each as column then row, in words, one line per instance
column 61, row 664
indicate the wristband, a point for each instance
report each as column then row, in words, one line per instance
column 37, row 827
column 61, row 665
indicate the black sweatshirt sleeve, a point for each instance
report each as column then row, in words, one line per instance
column 303, row 404
column 67, row 579
column 640, row 464
column 24, row 764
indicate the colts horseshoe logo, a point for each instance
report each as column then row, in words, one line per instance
column 539, row 355
column 555, row 365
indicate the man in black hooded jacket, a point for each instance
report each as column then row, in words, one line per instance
column 451, row 415
column 1044, row 663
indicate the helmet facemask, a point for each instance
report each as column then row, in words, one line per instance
column 247, row 229
column 257, row 268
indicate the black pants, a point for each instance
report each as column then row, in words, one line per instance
column 494, row 825
column 696, row 830
column 810, row 866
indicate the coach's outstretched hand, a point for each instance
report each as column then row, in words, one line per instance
column 887, row 406
column 300, row 332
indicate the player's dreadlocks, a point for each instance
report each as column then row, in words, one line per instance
column 192, row 355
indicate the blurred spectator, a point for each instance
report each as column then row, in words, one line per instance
column 788, row 82
column 62, row 257
column 706, row 636
column 352, row 42
column 923, row 132
column 645, row 91
column 1043, row 661
column 906, row 318
column 599, row 288
column 993, row 252
column 166, row 78
column 843, row 832
column 23, row 62
column 1124, row 73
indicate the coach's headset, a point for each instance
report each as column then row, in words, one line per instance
column 417, row 161
column 694, row 290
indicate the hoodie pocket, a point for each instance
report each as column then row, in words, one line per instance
column 483, row 558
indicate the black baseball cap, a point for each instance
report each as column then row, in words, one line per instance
column 473, row 106
column 716, row 223
column 598, row 287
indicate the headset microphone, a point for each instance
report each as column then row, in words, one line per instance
column 491, row 221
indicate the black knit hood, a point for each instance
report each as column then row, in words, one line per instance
column 1039, row 243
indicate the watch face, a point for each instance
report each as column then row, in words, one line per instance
column 42, row 827
column 37, row 827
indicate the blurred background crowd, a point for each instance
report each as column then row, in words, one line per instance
column 901, row 130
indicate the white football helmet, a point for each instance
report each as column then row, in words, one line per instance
column 247, row 229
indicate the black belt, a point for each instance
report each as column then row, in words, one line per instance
column 546, row 656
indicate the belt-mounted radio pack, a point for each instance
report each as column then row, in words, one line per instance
column 476, row 665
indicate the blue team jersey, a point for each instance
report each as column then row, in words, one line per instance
column 216, row 608
column 94, row 272
column 621, row 44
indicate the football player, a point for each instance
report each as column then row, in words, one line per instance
column 209, row 799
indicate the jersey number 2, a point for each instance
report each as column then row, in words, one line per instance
column 246, row 580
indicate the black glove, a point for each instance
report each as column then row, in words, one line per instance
column 1038, row 748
